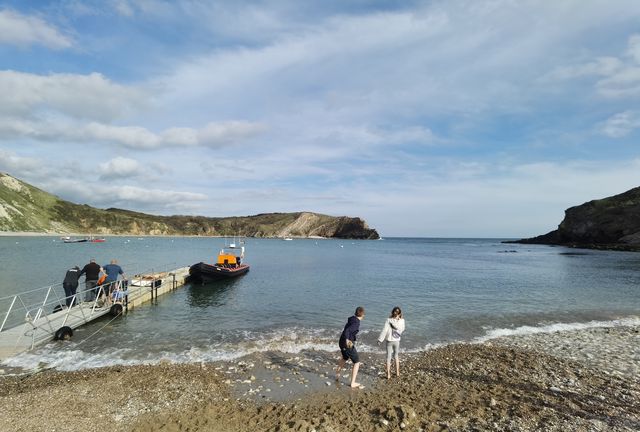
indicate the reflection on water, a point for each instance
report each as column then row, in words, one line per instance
column 211, row 294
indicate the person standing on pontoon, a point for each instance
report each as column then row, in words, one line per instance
column 91, row 274
column 70, row 285
column 112, row 270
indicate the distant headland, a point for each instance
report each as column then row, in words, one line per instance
column 25, row 208
column 611, row 223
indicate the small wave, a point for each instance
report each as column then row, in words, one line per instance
column 290, row 341
column 66, row 360
column 556, row 327
column 72, row 357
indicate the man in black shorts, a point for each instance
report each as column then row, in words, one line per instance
column 347, row 345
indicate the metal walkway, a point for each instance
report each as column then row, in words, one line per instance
column 33, row 317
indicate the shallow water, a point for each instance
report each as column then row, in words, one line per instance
column 299, row 294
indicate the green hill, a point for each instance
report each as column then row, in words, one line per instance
column 25, row 208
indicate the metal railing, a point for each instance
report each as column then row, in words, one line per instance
column 36, row 307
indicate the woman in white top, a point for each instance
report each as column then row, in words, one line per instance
column 391, row 332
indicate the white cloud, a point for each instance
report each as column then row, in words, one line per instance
column 138, row 198
column 123, row 7
column 459, row 61
column 79, row 108
column 133, row 195
column 119, row 167
column 22, row 30
column 602, row 66
column 618, row 77
column 212, row 135
column 366, row 136
column 222, row 133
column 633, row 49
column 17, row 165
column 621, row 124
column 90, row 96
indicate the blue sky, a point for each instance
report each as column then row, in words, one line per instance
column 435, row 118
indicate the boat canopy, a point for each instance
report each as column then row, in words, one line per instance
column 227, row 256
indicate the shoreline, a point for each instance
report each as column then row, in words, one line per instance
column 579, row 379
column 51, row 234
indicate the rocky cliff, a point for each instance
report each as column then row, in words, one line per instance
column 609, row 223
column 28, row 209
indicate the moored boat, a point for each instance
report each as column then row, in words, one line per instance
column 228, row 265
column 72, row 240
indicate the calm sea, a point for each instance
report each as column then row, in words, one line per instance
column 299, row 294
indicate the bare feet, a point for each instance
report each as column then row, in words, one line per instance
column 356, row 385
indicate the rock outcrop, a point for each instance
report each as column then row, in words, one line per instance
column 26, row 208
column 609, row 223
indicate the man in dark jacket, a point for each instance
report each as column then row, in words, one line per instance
column 347, row 345
column 92, row 274
column 70, row 285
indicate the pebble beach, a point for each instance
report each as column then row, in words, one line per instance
column 581, row 380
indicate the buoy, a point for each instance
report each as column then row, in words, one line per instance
column 63, row 333
column 116, row 309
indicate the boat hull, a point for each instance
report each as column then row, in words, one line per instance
column 202, row 272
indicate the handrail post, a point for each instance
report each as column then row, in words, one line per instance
column 46, row 298
column 8, row 312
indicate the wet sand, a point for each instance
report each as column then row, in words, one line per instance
column 581, row 381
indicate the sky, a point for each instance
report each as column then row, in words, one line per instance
column 425, row 118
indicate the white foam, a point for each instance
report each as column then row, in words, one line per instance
column 289, row 341
column 556, row 327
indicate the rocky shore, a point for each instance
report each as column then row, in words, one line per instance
column 611, row 223
column 585, row 380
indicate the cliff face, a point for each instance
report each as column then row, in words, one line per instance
column 609, row 223
column 26, row 208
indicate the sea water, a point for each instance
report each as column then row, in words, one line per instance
column 299, row 294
